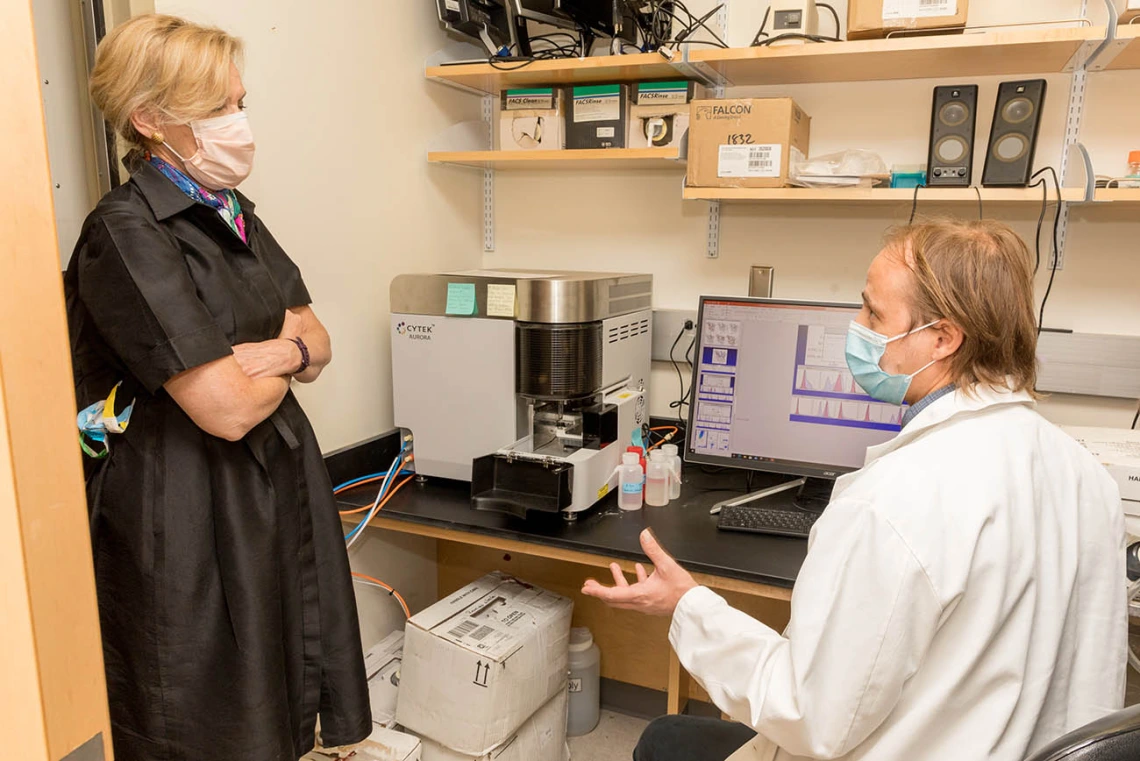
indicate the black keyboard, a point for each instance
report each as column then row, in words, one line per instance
column 761, row 520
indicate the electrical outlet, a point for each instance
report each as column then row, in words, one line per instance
column 760, row 281
column 667, row 325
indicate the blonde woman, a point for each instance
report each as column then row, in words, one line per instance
column 226, row 603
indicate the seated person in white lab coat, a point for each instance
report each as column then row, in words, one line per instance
column 963, row 596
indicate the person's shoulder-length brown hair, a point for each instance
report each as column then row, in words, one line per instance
column 979, row 276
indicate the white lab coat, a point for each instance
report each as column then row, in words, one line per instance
column 963, row 599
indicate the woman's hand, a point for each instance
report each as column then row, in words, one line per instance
column 269, row 359
column 655, row 595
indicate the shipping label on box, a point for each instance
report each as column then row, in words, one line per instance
column 479, row 663
column 598, row 116
column 871, row 19
column 382, row 666
column 905, row 10
column 541, row 738
column 531, row 120
column 746, row 142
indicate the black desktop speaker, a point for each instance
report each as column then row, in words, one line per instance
column 950, row 162
column 1013, row 137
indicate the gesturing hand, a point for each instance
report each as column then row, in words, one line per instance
column 655, row 595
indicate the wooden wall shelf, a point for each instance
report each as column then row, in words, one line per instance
column 611, row 159
column 875, row 195
column 1009, row 52
column 494, row 78
column 1118, row 195
column 1127, row 49
column 1014, row 52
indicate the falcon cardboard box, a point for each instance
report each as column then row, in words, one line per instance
column 479, row 663
column 541, row 738
column 382, row 745
column 745, row 143
column 873, row 19
column 382, row 665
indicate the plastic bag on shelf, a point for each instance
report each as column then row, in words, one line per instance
column 854, row 167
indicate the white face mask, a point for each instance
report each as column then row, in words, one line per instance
column 225, row 151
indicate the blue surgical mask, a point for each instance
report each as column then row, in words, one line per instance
column 865, row 349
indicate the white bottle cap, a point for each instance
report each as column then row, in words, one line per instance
column 670, row 450
column 657, row 456
column 580, row 639
column 630, row 458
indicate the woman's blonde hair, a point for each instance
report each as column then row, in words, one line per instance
column 979, row 276
column 177, row 69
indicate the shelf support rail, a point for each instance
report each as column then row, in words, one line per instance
column 1111, row 47
column 1072, row 142
column 712, row 236
column 488, row 112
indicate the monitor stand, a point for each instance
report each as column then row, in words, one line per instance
column 813, row 495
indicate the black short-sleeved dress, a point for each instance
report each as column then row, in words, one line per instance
column 224, row 591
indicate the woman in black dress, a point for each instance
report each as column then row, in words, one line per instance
column 226, row 604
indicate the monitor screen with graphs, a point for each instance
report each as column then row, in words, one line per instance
column 772, row 392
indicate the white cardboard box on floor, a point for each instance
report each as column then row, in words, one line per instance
column 382, row 745
column 481, row 662
column 382, row 665
column 542, row 738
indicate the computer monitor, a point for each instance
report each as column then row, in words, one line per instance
column 609, row 18
column 771, row 391
column 484, row 20
column 542, row 11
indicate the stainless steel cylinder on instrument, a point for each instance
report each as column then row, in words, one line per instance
column 558, row 362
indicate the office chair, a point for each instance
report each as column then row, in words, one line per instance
column 1116, row 737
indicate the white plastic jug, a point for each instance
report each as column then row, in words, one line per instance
column 585, row 682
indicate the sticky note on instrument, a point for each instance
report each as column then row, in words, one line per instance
column 500, row 300
column 460, row 298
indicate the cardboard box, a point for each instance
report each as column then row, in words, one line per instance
column 1131, row 11
column 597, row 116
column 872, row 19
column 745, row 143
column 382, row 665
column 542, row 738
column 1118, row 449
column 382, row 745
column 532, row 119
column 478, row 664
column 659, row 113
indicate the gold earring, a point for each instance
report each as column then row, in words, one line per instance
column 157, row 137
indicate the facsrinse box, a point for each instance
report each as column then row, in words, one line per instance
column 597, row 116
column 659, row 113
